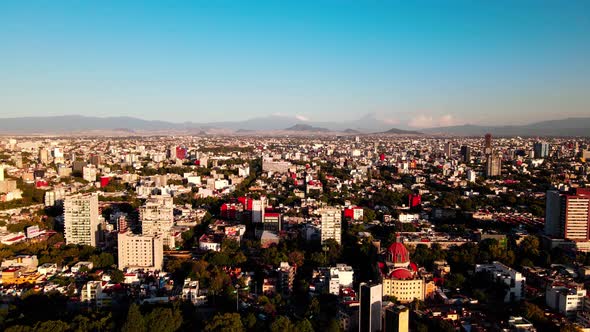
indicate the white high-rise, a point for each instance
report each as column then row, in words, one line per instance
column 331, row 224
column 157, row 217
column 370, row 306
column 81, row 222
column 140, row 252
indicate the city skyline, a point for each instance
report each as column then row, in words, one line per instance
column 415, row 66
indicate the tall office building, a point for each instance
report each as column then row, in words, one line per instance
column 465, row 153
column 95, row 160
column 567, row 215
column 448, row 149
column 487, row 149
column 370, row 297
column 493, row 166
column 397, row 319
column 43, row 156
column 81, row 224
column 541, row 149
column 331, row 224
column 157, row 217
column 140, row 252
column 552, row 212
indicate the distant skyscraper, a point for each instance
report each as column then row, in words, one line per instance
column 370, row 297
column 448, row 149
column 541, row 149
column 43, row 156
column 465, row 154
column 493, row 166
column 488, row 144
column 567, row 215
column 331, row 224
column 81, row 224
column 95, row 160
column 552, row 213
column 397, row 319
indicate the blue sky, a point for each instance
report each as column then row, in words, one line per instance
column 419, row 64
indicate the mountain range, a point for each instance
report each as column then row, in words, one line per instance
column 275, row 124
column 562, row 127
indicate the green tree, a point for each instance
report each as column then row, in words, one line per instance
column 117, row 276
column 135, row 321
column 51, row 326
column 81, row 324
column 249, row 321
column 333, row 326
column 534, row 313
column 454, row 280
column 296, row 258
column 163, row 320
column 304, row 326
column 282, row 324
column 369, row 215
column 103, row 260
column 229, row 322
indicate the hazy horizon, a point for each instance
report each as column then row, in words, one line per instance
column 414, row 65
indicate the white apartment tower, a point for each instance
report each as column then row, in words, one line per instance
column 81, row 219
column 140, row 252
column 370, row 307
column 157, row 217
column 331, row 224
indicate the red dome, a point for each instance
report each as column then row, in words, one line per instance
column 401, row 274
column 398, row 254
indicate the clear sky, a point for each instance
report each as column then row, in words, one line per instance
column 422, row 63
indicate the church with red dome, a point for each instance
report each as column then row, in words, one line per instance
column 401, row 278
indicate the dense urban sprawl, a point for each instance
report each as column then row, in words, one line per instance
column 343, row 233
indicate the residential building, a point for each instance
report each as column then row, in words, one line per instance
column 270, row 165
column 82, row 266
column 510, row 277
column 493, row 166
column 190, row 292
column 568, row 299
column 92, row 293
column 157, row 217
column 331, row 224
column 81, row 222
column 397, row 319
column 354, row 213
column 29, row 262
column 286, row 277
column 541, row 149
column 465, row 154
column 89, row 173
column 140, row 251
